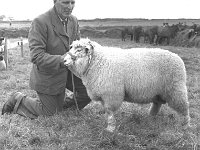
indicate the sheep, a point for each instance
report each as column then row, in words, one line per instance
column 137, row 75
column 2, row 63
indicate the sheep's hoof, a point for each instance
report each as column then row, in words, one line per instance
column 188, row 128
column 117, row 138
column 185, row 125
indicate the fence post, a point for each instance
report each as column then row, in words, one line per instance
column 22, row 49
column 6, row 53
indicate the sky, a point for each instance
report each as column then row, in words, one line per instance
column 91, row 9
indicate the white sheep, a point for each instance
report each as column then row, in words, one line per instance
column 2, row 63
column 139, row 75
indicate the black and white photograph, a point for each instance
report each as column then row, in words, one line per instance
column 99, row 75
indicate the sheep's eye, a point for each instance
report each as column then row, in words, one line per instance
column 70, row 47
column 86, row 50
column 79, row 50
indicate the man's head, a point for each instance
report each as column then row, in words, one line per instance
column 64, row 7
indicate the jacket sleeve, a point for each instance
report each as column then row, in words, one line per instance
column 38, row 48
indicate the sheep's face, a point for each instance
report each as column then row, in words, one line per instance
column 79, row 55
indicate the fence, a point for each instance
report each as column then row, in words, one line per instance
column 7, row 45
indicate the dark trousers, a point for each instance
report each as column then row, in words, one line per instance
column 47, row 105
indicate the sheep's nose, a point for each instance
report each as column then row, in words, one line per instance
column 68, row 60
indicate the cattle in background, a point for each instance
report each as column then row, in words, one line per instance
column 149, row 33
column 127, row 31
column 2, row 42
column 167, row 33
column 195, row 39
column 134, row 32
column 137, row 33
column 197, row 30
column 165, row 24
column 2, row 61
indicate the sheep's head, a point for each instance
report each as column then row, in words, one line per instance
column 79, row 55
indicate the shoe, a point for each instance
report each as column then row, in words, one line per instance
column 9, row 105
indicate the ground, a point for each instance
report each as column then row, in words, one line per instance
column 71, row 130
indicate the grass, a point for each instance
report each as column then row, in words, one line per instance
column 72, row 131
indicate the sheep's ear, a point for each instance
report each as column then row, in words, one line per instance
column 91, row 45
column 89, row 50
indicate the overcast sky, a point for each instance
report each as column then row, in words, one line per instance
column 91, row 9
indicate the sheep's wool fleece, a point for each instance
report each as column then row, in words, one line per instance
column 139, row 73
column 2, row 65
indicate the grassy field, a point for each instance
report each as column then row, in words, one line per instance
column 109, row 22
column 72, row 131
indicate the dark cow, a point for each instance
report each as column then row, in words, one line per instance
column 167, row 32
column 127, row 31
column 137, row 33
column 149, row 33
column 134, row 32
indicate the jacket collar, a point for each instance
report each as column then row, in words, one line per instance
column 58, row 27
column 56, row 22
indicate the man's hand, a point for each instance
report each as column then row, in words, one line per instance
column 63, row 60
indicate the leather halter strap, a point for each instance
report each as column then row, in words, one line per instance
column 75, row 57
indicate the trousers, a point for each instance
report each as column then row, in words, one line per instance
column 47, row 105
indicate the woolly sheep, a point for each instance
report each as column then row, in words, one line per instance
column 2, row 63
column 139, row 75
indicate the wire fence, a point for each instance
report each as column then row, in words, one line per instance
column 7, row 44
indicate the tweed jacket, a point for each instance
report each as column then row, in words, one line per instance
column 48, row 40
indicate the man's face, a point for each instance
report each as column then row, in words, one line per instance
column 64, row 7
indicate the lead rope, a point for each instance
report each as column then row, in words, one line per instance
column 74, row 94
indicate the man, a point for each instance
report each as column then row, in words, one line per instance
column 49, row 38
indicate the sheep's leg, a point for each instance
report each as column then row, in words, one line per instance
column 179, row 102
column 157, row 103
column 155, row 109
column 111, row 104
column 109, row 115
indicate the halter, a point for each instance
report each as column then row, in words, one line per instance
column 75, row 57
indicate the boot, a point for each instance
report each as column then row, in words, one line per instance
column 70, row 103
column 12, row 103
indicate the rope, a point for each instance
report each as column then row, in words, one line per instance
column 74, row 94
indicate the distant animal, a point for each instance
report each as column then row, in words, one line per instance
column 166, row 32
column 165, row 24
column 137, row 33
column 1, row 40
column 2, row 63
column 127, row 31
column 138, row 75
column 195, row 40
column 196, row 28
column 149, row 33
